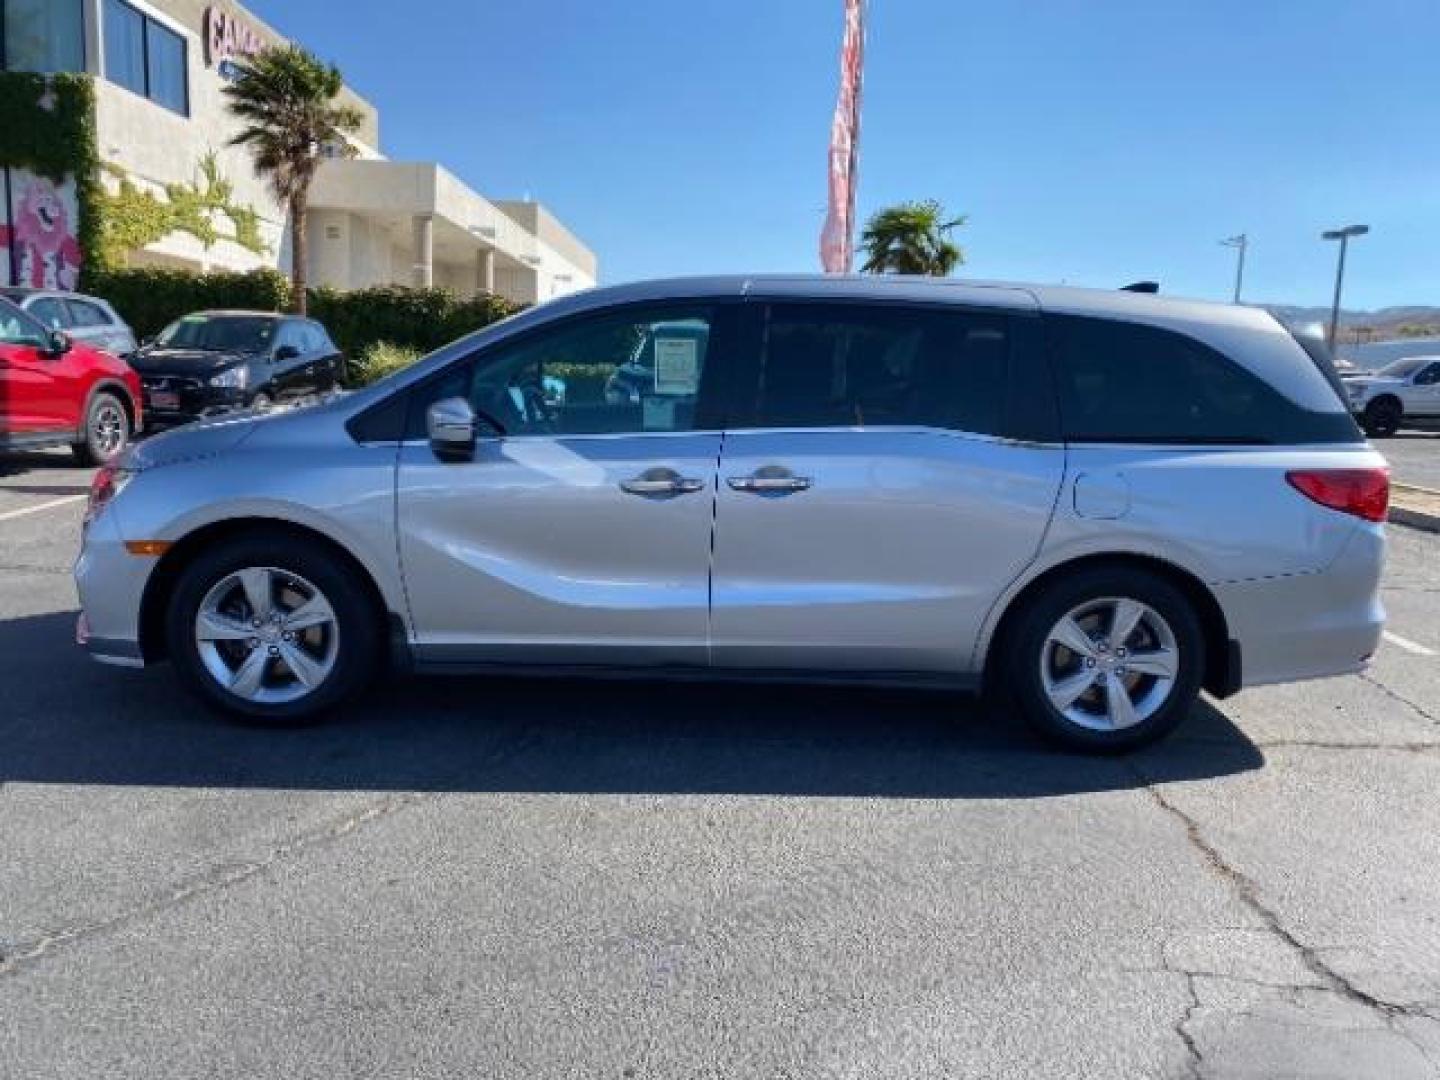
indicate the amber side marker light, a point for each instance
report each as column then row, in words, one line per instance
column 147, row 547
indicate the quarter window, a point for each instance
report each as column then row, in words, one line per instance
column 616, row 374
column 844, row 365
column 1127, row 382
column 145, row 56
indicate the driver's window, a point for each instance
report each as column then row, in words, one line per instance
column 615, row 374
column 15, row 329
column 1428, row 376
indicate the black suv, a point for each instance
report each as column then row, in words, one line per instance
column 216, row 361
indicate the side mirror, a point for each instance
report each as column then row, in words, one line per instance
column 286, row 352
column 451, row 426
column 57, row 343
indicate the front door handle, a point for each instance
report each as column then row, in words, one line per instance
column 661, row 484
column 768, row 481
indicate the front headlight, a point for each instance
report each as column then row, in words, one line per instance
column 233, row 379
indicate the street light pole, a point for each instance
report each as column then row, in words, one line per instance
column 1343, row 235
column 1240, row 243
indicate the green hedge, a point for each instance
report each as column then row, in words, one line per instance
column 421, row 319
column 150, row 297
column 377, row 360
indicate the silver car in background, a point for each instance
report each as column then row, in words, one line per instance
column 84, row 318
column 1095, row 502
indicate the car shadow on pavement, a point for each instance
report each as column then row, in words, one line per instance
column 66, row 720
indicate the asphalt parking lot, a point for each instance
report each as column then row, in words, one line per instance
column 1414, row 457
column 491, row 878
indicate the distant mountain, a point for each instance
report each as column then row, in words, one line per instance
column 1410, row 320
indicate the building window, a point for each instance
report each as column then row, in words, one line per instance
column 146, row 57
column 43, row 35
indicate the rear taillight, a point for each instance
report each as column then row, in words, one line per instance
column 1362, row 492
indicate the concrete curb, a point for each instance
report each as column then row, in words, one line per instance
column 1415, row 507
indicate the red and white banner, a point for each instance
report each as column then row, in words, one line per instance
column 837, row 242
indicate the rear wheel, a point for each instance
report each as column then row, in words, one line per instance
column 272, row 628
column 1381, row 418
column 1107, row 660
column 261, row 402
column 107, row 430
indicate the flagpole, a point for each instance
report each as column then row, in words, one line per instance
column 837, row 238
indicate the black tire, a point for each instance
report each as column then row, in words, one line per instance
column 1027, row 649
column 261, row 402
column 359, row 624
column 1381, row 418
column 107, row 430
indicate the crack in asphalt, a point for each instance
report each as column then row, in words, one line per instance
column 1395, row 695
column 1323, row 744
column 217, row 877
column 1248, row 893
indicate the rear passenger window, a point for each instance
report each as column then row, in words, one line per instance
column 849, row 365
column 83, row 313
column 1126, row 382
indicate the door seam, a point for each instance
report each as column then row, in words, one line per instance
column 710, row 567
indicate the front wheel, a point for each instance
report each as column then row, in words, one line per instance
column 273, row 628
column 1107, row 660
column 107, row 430
column 1381, row 419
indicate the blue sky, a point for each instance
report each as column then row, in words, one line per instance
column 1089, row 141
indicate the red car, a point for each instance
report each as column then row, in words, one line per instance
column 58, row 392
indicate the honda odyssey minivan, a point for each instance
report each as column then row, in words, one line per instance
column 1096, row 503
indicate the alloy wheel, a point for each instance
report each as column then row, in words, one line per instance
column 107, row 430
column 1109, row 664
column 267, row 635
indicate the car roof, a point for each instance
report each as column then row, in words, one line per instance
column 240, row 312
column 27, row 292
column 1065, row 299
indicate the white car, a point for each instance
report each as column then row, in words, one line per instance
column 1404, row 390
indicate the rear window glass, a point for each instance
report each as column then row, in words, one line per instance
column 1126, row 382
column 842, row 365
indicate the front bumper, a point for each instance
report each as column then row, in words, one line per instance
column 111, row 583
column 171, row 400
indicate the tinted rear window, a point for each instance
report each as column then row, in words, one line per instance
column 1126, row 382
column 856, row 365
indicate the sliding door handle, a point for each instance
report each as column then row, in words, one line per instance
column 661, row 483
column 768, row 485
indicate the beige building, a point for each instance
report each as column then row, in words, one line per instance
column 162, row 126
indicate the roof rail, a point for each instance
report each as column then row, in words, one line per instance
column 1141, row 286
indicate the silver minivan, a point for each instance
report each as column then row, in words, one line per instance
column 1095, row 503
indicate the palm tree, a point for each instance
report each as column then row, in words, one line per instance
column 286, row 100
column 912, row 238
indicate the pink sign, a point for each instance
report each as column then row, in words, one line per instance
column 39, row 248
column 228, row 37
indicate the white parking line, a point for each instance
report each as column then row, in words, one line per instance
column 11, row 514
column 1408, row 645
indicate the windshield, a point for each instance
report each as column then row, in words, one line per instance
column 219, row 333
column 1403, row 369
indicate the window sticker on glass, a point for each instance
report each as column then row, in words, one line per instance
column 658, row 414
column 677, row 366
